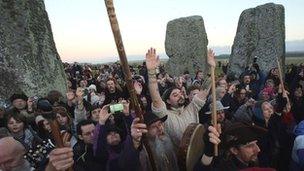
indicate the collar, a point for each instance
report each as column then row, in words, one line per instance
column 240, row 164
column 177, row 110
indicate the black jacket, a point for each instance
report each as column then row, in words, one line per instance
column 85, row 160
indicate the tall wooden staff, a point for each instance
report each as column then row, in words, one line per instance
column 211, row 59
column 280, row 74
column 126, row 71
column 281, row 78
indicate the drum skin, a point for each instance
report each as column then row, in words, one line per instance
column 191, row 146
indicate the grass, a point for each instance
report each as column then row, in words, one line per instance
column 218, row 70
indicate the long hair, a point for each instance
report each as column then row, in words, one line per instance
column 64, row 113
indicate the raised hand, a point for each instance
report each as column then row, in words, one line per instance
column 79, row 93
column 211, row 58
column 137, row 131
column 138, row 87
column 104, row 115
column 203, row 94
column 126, row 107
column 152, row 60
column 60, row 159
column 30, row 103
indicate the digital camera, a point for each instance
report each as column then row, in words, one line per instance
column 116, row 108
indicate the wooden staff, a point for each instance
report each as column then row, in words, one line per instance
column 281, row 79
column 126, row 71
column 280, row 74
column 55, row 130
column 214, row 115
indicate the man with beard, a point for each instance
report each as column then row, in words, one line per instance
column 114, row 92
column 160, row 143
column 239, row 145
column 172, row 101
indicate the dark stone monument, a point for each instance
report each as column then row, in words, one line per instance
column 186, row 45
column 260, row 34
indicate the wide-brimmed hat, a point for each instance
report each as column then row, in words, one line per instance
column 150, row 118
column 219, row 106
column 240, row 134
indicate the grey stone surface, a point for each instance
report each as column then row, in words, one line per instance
column 29, row 61
column 186, row 45
column 261, row 33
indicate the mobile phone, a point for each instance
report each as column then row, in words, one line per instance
column 116, row 108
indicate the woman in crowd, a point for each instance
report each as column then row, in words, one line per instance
column 18, row 127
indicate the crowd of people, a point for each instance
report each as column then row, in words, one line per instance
column 260, row 120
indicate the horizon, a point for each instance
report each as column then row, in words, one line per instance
column 137, row 58
column 82, row 32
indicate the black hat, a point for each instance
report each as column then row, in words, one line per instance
column 18, row 96
column 150, row 118
column 241, row 134
column 44, row 105
column 114, row 128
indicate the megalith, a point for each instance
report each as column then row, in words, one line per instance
column 261, row 35
column 29, row 61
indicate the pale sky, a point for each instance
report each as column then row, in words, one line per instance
column 82, row 30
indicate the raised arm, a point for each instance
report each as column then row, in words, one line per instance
column 152, row 62
column 203, row 93
column 79, row 112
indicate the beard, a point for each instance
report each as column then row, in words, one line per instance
column 181, row 101
column 162, row 149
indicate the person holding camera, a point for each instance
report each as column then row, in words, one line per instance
column 113, row 138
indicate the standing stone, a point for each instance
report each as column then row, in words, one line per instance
column 29, row 61
column 186, row 45
column 260, row 33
